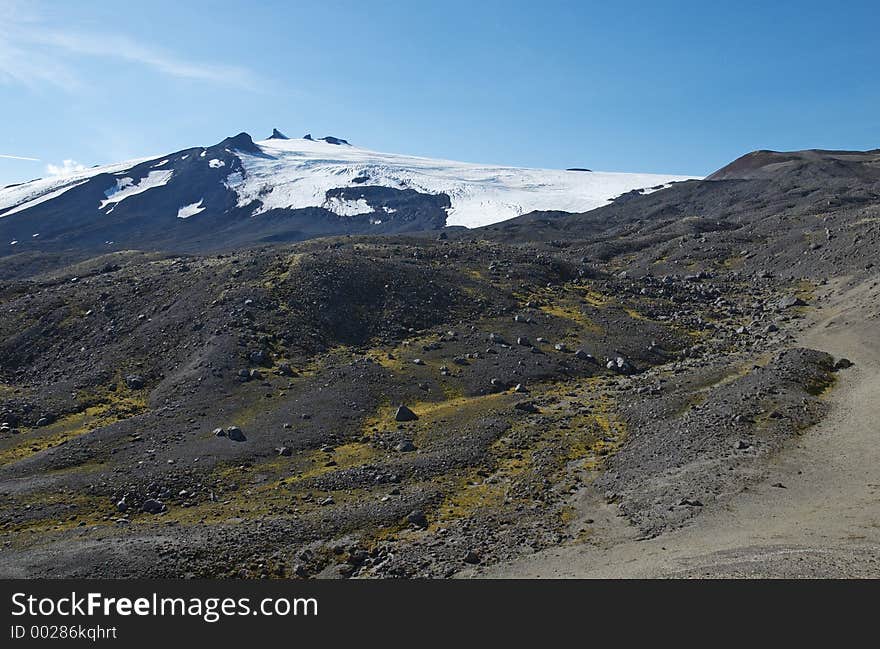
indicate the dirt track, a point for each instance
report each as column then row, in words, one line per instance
column 815, row 513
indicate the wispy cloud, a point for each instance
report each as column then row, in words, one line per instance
column 32, row 53
column 9, row 156
column 127, row 49
column 66, row 168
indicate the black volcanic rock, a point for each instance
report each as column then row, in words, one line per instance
column 334, row 140
column 277, row 135
column 241, row 142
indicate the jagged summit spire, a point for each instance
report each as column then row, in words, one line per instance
column 278, row 135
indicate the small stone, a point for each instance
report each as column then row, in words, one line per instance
column 406, row 446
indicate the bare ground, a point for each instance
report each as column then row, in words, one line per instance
column 814, row 513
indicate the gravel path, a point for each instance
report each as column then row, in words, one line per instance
column 816, row 512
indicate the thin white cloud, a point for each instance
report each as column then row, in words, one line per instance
column 66, row 168
column 9, row 156
column 127, row 49
column 34, row 54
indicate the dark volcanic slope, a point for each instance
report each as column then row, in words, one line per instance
column 805, row 214
column 640, row 354
column 82, row 221
column 813, row 163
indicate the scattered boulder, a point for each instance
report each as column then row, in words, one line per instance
column 405, row 414
column 284, row 369
column 153, row 506
column 527, row 406
column 417, row 517
column 406, row 446
column 790, row 301
column 472, row 557
column 235, row 434
column 620, row 365
column 284, row 451
column 134, row 382
column 842, row 364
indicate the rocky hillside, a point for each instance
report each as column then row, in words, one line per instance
column 411, row 405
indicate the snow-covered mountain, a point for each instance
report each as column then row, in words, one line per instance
column 240, row 191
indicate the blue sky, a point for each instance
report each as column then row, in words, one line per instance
column 666, row 87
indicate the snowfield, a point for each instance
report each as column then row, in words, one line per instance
column 21, row 197
column 297, row 173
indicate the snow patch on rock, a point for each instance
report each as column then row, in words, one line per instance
column 190, row 210
column 126, row 187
